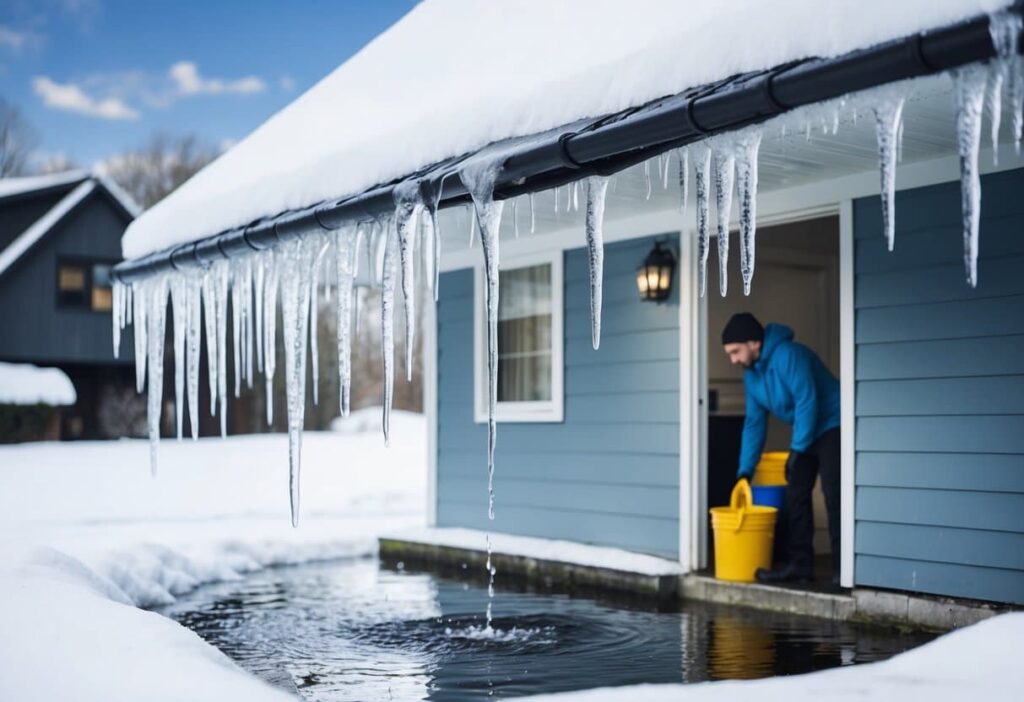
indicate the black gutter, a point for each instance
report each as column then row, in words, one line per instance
column 610, row 144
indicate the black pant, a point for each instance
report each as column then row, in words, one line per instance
column 826, row 455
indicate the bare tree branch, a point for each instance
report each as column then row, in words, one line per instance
column 158, row 168
column 17, row 140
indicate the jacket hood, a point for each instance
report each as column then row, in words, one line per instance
column 774, row 335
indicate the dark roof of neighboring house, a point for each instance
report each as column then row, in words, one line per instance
column 65, row 191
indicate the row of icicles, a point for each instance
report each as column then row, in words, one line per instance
column 291, row 273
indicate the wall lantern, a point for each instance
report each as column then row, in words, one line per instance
column 654, row 276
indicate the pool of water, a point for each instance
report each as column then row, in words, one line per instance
column 352, row 630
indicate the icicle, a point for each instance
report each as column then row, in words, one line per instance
column 576, row 196
column 472, row 227
column 235, row 290
column 298, row 262
column 193, row 347
column 271, row 285
column 314, row 283
column 221, row 278
column 179, row 318
column 155, row 297
column 479, row 178
column 684, row 169
column 1005, row 69
column 407, row 211
column 556, row 200
column 116, row 316
column 140, row 328
column 491, row 570
column 597, row 187
column 533, row 216
column 245, row 296
column 702, row 180
column 746, row 181
column 515, row 216
column 568, row 197
column 345, row 255
column 664, row 174
column 259, row 276
column 209, row 294
column 888, row 118
column 725, row 170
column 387, row 323
column 647, row 179
column 969, row 91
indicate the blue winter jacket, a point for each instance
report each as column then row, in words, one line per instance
column 791, row 382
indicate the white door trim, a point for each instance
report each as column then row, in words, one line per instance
column 847, row 389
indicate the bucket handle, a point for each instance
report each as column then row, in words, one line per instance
column 741, row 498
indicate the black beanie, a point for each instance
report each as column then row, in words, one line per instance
column 741, row 328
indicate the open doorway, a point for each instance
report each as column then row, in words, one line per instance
column 796, row 284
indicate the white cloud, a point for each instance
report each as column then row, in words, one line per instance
column 71, row 98
column 15, row 40
column 185, row 75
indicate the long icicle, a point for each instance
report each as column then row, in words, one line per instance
column 888, row 118
column 702, row 181
column 1005, row 28
column 221, row 273
column 271, row 287
column 209, row 294
column 387, row 321
column 193, row 348
column 235, row 268
column 597, row 188
column 345, row 255
column 116, row 315
column 684, row 170
column 314, row 309
column 969, row 92
column 725, row 171
column 155, row 296
column 298, row 260
column 139, row 327
column 408, row 205
column 746, row 182
column 179, row 318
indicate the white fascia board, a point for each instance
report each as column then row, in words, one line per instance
column 10, row 187
column 28, row 238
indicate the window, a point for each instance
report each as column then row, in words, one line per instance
column 530, row 367
column 84, row 285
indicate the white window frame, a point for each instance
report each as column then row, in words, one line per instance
column 548, row 411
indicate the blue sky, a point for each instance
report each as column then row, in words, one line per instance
column 97, row 77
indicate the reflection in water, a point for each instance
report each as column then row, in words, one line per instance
column 351, row 631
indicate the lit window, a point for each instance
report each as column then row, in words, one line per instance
column 72, row 287
column 530, row 341
column 102, row 296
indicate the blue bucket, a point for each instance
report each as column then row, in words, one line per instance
column 769, row 495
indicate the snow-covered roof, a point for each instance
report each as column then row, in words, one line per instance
column 455, row 75
column 9, row 187
column 25, row 384
column 87, row 183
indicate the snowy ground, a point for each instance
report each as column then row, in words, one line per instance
column 87, row 537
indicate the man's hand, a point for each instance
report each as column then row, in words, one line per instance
column 799, row 461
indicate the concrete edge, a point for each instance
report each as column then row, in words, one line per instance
column 865, row 605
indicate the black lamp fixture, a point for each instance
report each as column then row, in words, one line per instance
column 654, row 276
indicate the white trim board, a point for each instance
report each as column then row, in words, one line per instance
column 847, row 390
column 28, row 238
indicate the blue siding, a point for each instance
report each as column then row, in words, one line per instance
column 940, row 396
column 608, row 474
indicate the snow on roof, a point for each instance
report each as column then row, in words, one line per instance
column 19, row 186
column 25, row 384
column 455, row 75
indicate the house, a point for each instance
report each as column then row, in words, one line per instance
column 627, row 445
column 59, row 237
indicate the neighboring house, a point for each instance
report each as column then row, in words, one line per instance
column 629, row 444
column 59, row 237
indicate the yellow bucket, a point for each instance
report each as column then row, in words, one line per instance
column 744, row 533
column 771, row 469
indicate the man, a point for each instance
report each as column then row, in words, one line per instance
column 790, row 381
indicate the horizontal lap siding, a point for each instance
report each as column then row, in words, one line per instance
column 940, row 396
column 608, row 474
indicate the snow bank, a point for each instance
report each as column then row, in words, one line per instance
column 983, row 659
column 87, row 537
column 25, row 384
column 455, row 75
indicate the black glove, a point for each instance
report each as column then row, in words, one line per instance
column 798, row 461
